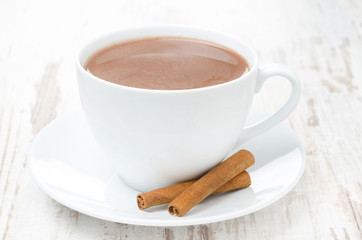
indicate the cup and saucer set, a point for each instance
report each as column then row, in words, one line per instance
column 126, row 140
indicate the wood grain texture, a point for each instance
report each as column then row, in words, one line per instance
column 321, row 40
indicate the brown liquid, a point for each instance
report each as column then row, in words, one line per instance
column 167, row 63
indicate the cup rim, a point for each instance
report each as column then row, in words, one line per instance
column 159, row 26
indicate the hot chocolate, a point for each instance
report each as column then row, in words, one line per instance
column 167, row 63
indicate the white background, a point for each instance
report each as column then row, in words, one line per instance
column 321, row 40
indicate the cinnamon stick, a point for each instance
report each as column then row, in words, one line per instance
column 167, row 194
column 211, row 181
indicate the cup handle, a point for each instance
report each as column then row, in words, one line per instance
column 264, row 73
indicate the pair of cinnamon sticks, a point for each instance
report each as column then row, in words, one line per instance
column 228, row 175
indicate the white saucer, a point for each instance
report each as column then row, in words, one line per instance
column 60, row 151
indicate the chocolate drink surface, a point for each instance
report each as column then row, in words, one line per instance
column 167, row 63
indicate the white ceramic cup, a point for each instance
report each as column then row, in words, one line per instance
column 157, row 138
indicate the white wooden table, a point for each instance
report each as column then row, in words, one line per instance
column 321, row 40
